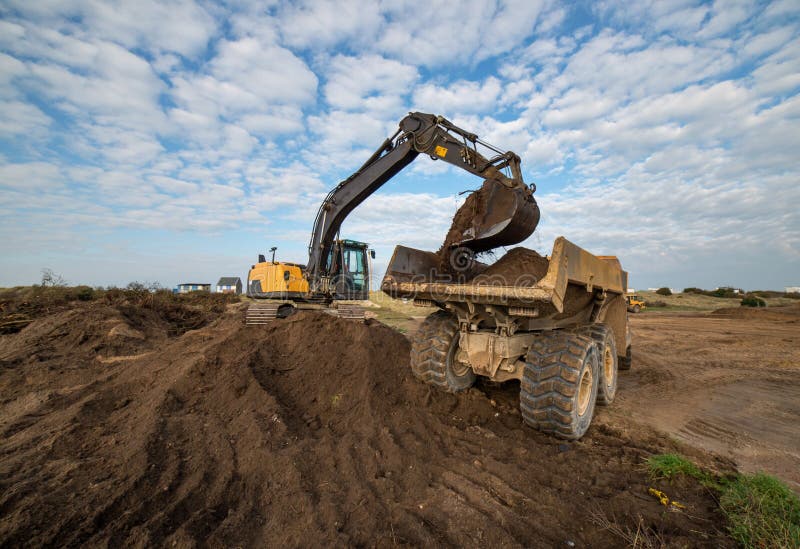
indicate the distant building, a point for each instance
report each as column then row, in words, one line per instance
column 793, row 289
column 229, row 285
column 731, row 288
column 193, row 287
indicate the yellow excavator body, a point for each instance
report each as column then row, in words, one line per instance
column 278, row 277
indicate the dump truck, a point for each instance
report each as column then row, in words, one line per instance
column 563, row 336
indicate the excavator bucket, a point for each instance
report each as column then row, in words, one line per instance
column 494, row 215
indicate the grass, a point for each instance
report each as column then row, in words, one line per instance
column 669, row 466
column 698, row 302
column 397, row 313
column 761, row 511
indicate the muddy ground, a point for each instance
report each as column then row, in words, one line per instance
column 119, row 429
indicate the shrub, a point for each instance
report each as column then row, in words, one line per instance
column 752, row 301
column 694, row 290
column 655, row 303
column 726, row 291
column 52, row 279
column 84, row 293
column 664, row 291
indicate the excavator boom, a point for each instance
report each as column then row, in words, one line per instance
column 510, row 216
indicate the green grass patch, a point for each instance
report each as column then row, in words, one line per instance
column 669, row 466
column 760, row 509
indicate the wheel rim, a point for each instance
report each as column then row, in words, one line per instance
column 608, row 367
column 458, row 368
column 585, row 391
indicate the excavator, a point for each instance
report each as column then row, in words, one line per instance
column 338, row 270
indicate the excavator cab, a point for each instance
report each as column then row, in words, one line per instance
column 349, row 269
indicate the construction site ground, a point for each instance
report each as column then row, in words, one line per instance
column 121, row 426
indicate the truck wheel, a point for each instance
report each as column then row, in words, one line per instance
column 625, row 362
column 559, row 384
column 434, row 349
column 603, row 336
column 636, row 308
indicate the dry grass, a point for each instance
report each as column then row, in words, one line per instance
column 697, row 302
column 397, row 313
column 640, row 538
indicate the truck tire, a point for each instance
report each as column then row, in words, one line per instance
column 625, row 362
column 433, row 354
column 559, row 384
column 603, row 336
column 637, row 308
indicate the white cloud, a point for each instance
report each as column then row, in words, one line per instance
column 386, row 219
column 267, row 71
column 461, row 96
column 369, row 82
column 22, row 119
column 31, row 176
column 180, row 26
column 663, row 131
column 323, row 23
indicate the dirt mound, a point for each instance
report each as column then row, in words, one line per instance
column 474, row 207
column 20, row 306
column 308, row 431
column 788, row 313
column 519, row 267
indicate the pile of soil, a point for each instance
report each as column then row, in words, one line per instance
column 473, row 208
column 20, row 306
column 308, row 431
column 519, row 267
column 787, row 313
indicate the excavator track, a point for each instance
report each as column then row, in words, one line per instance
column 266, row 312
column 261, row 313
column 350, row 311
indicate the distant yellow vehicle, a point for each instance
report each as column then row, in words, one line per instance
column 635, row 303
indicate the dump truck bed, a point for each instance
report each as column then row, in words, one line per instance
column 415, row 274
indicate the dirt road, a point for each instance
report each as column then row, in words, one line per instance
column 728, row 382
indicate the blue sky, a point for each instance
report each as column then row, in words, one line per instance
column 175, row 141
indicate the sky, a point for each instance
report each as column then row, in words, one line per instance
column 175, row 141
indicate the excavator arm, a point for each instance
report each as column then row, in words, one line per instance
column 516, row 213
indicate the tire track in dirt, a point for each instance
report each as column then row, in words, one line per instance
column 726, row 382
column 309, row 431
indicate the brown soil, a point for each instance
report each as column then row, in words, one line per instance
column 473, row 208
column 726, row 382
column 307, row 432
column 789, row 313
column 519, row 267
